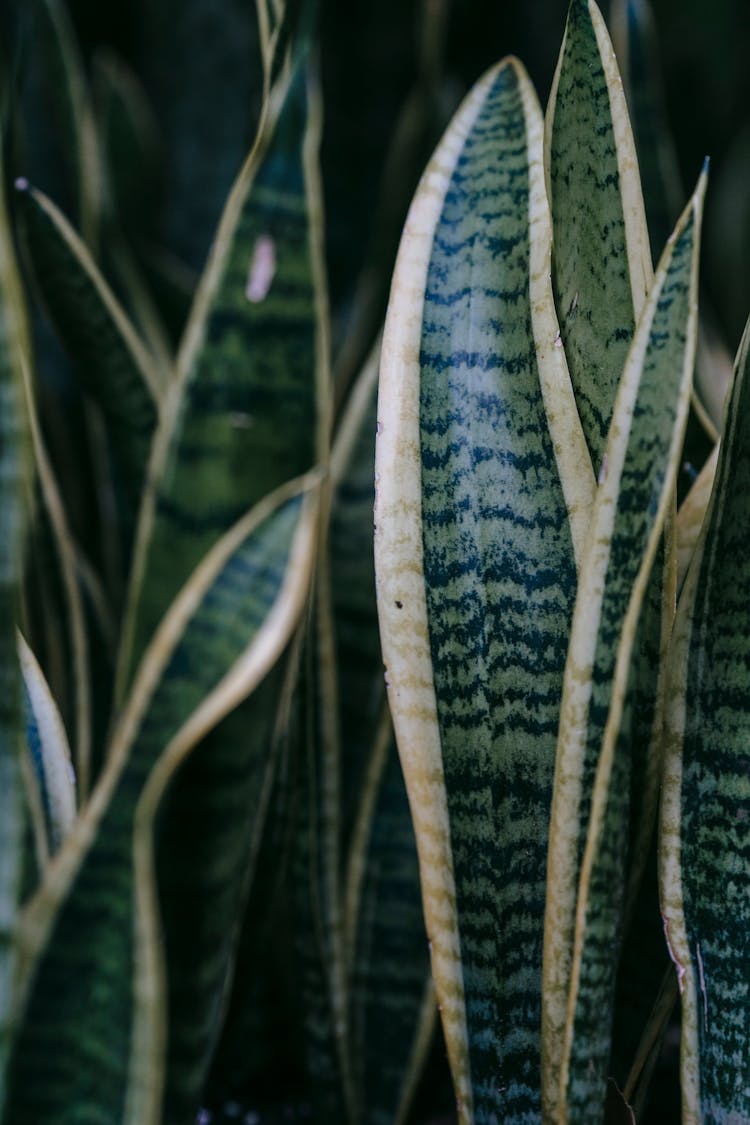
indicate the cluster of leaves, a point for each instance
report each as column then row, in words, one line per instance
column 210, row 881
column 551, row 704
column 209, row 876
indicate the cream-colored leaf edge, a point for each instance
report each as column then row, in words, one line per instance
column 195, row 330
column 58, row 764
column 594, row 578
column 146, row 1070
column 566, row 432
column 670, row 824
column 142, row 360
column 38, row 915
column 640, row 266
column 399, row 567
column 66, row 551
column 691, row 514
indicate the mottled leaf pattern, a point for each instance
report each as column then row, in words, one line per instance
column 601, row 261
column 705, row 866
column 94, row 925
column 253, row 353
column 585, row 891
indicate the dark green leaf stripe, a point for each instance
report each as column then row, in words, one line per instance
column 601, row 260
column 391, row 965
column 14, row 348
column 708, row 779
column 253, row 354
column 500, row 579
column 73, row 1059
column 111, row 362
column 592, row 780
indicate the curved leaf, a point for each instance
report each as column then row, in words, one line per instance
column 93, row 927
column 254, row 351
column 585, row 892
column 112, row 363
column 484, row 490
column 705, row 865
column 49, row 751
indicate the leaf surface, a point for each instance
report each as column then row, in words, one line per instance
column 484, row 488
column 585, row 885
column 705, row 864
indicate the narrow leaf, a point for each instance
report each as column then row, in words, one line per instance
column 601, row 262
column 585, row 891
column 484, row 491
column 111, row 361
column 49, row 750
column 94, row 924
column 254, row 351
column 704, row 843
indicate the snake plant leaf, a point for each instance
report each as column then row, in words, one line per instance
column 113, row 365
column 634, row 36
column 65, row 551
column 385, row 943
column 210, row 828
column 601, row 261
column 585, row 891
column 691, row 514
column 393, row 1010
column 48, row 749
column 484, row 490
column 254, row 351
column 704, row 860
column 93, row 927
column 54, row 44
column 14, row 344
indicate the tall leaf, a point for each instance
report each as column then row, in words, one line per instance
column 484, row 489
column 254, row 351
column 93, row 928
column 585, row 892
column 705, row 865
column 601, row 262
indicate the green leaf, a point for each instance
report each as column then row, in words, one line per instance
column 585, row 892
column 93, row 928
column 484, row 490
column 49, row 751
column 254, row 352
column 113, row 365
column 14, row 346
column 385, row 944
column 601, row 262
column 706, row 794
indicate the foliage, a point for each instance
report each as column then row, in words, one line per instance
column 215, row 888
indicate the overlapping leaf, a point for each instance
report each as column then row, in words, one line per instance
column 585, row 893
column 253, row 353
column 94, row 925
column 484, row 488
column 705, row 865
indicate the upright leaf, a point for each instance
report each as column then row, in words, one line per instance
column 93, row 928
column 585, row 889
column 484, row 489
column 113, row 365
column 705, row 864
column 601, row 266
column 254, row 351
